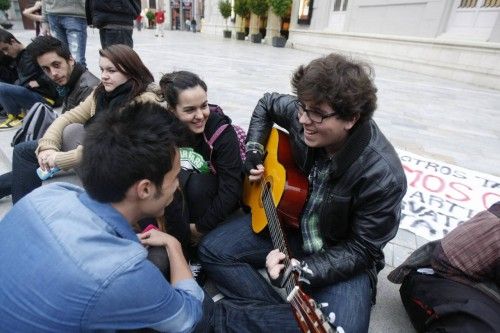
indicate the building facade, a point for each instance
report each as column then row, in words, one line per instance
column 454, row 39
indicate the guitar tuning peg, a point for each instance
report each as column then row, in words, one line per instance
column 303, row 279
column 323, row 305
column 331, row 317
column 305, row 269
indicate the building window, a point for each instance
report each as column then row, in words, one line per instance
column 340, row 5
column 467, row 4
column 491, row 3
column 305, row 11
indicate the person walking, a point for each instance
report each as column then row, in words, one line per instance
column 193, row 25
column 159, row 20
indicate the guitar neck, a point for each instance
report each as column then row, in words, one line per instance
column 277, row 234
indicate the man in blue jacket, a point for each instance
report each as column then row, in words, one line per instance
column 71, row 261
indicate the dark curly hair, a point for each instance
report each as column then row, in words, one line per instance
column 45, row 44
column 346, row 85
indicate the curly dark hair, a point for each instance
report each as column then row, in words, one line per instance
column 346, row 85
column 45, row 44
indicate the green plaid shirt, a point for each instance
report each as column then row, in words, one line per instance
column 318, row 181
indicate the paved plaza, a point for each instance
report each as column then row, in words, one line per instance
column 435, row 118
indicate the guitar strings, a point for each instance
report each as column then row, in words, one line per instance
column 278, row 240
column 276, row 232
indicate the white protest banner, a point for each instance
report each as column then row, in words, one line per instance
column 440, row 195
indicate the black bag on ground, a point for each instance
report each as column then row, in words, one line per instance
column 436, row 304
column 35, row 123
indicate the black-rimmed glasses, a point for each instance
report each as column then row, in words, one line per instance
column 315, row 116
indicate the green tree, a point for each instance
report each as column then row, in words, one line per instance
column 4, row 4
column 280, row 7
column 242, row 10
column 225, row 10
column 151, row 17
column 259, row 8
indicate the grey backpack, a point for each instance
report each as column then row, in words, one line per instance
column 35, row 123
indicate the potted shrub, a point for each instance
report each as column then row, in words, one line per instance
column 242, row 10
column 259, row 8
column 280, row 8
column 151, row 19
column 225, row 11
column 4, row 19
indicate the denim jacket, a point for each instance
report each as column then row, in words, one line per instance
column 72, row 264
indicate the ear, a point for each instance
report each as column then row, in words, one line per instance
column 144, row 189
column 71, row 61
column 350, row 123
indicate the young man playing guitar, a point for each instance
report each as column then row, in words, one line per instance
column 356, row 184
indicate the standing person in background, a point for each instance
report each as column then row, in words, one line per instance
column 160, row 20
column 188, row 24
column 138, row 22
column 34, row 13
column 193, row 25
column 114, row 19
column 66, row 20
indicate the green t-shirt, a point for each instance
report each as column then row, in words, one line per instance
column 191, row 160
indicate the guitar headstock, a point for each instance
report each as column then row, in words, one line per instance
column 308, row 314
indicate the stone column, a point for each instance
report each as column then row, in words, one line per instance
column 238, row 24
column 168, row 15
column 254, row 24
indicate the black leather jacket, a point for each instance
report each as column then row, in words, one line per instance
column 81, row 89
column 361, row 208
column 116, row 12
column 28, row 70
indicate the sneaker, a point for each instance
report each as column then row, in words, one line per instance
column 11, row 122
column 198, row 272
column 3, row 114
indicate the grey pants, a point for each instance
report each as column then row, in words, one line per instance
column 73, row 136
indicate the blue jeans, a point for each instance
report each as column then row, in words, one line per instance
column 115, row 36
column 72, row 31
column 24, row 165
column 231, row 254
column 13, row 98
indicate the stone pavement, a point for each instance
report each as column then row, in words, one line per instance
column 435, row 118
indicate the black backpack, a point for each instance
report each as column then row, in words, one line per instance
column 35, row 123
column 438, row 305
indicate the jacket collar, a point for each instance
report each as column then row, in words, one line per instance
column 110, row 216
column 352, row 149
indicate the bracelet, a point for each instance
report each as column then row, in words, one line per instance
column 252, row 145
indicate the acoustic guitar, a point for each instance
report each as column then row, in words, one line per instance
column 284, row 184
